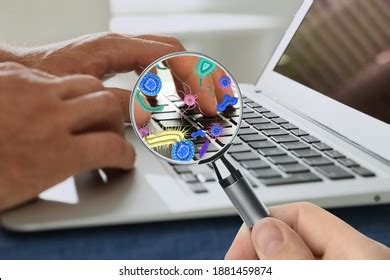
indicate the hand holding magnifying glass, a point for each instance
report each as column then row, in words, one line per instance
column 191, row 99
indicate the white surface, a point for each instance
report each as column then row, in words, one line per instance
column 360, row 128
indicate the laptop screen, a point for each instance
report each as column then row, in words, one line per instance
column 342, row 50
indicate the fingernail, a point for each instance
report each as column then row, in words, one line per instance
column 269, row 238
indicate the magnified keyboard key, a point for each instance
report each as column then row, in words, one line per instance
column 318, row 161
column 282, row 160
column 322, row 147
column 239, row 149
column 284, row 139
column 254, row 164
column 289, row 126
column 306, row 153
column 261, row 144
column 235, row 120
column 257, row 121
column 294, row 179
column 348, row 162
column 294, row 168
column 334, row 154
column 265, row 173
column 253, row 137
column 245, row 156
column 299, row 132
column 310, row 139
column 295, row 146
column 275, row 132
column 364, row 172
column 334, row 172
column 270, row 115
column 272, row 152
column 166, row 116
column 211, row 148
column 247, row 131
column 266, row 126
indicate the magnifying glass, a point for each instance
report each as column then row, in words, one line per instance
column 195, row 108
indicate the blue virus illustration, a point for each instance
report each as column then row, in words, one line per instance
column 216, row 130
column 183, row 151
column 199, row 133
column 225, row 82
column 227, row 101
column 150, row 84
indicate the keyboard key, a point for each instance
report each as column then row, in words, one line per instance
column 265, row 173
column 245, row 156
column 212, row 148
column 310, row 139
column 272, row 152
column 294, row 179
column 334, row 172
column 282, row 160
column 274, row 132
column 239, row 149
column 307, row 153
column 279, row 121
column 166, row 116
column 364, row 172
column 235, row 120
column 322, row 147
column 262, row 110
column 174, row 123
column 294, row 168
column 348, row 162
column 261, row 144
column 271, row 115
column 247, row 110
column 289, row 126
column 334, row 154
column 247, row 100
column 222, row 141
column 247, row 131
column 205, row 177
column 254, row 164
column 251, row 116
column 257, row 121
column 198, row 188
column 318, row 161
column 295, row 146
column 181, row 169
column 189, row 178
column 254, row 105
column 244, row 125
column 299, row 132
column 207, row 124
column 284, row 139
column 253, row 137
column 266, row 126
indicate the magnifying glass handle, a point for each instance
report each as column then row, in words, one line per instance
column 249, row 207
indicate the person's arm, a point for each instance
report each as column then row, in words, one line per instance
column 304, row 231
column 10, row 54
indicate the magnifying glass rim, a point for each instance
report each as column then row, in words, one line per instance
column 133, row 118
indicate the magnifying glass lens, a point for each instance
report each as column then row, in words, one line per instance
column 194, row 105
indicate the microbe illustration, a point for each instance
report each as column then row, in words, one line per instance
column 189, row 98
column 204, row 67
column 199, row 133
column 165, row 138
column 216, row 130
column 183, row 151
column 150, row 84
column 145, row 106
column 227, row 101
column 225, row 82
column 143, row 131
column 203, row 149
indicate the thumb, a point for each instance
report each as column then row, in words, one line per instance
column 275, row 240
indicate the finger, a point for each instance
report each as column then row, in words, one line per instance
column 319, row 229
column 274, row 240
column 99, row 111
column 77, row 85
column 103, row 150
column 242, row 247
column 183, row 69
column 141, row 116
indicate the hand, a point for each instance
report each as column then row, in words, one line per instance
column 105, row 54
column 303, row 231
column 52, row 128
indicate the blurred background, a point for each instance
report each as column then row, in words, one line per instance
column 243, row 39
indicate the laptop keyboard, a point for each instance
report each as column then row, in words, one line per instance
column 275, row 151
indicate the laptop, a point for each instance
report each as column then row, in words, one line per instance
column 315, row 128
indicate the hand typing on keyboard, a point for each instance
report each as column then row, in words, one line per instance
column 303, row 231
